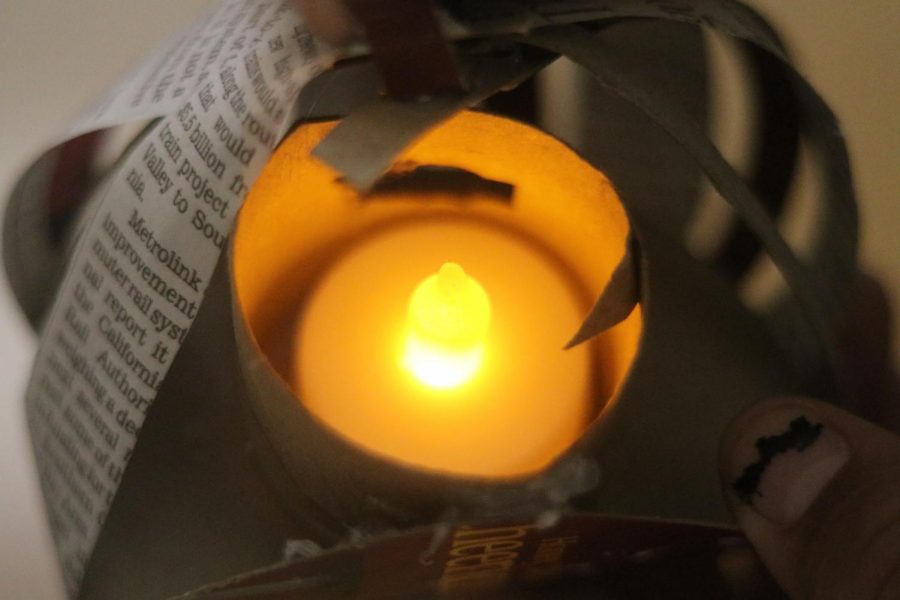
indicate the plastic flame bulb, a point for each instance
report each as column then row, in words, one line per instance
column 447, row 325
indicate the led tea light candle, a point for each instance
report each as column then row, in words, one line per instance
column 454, row 371
column 424, row 326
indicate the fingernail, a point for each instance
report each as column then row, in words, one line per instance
column 783, row 463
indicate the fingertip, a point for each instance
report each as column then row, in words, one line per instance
column 810, row 485
column 779, row 456
column 734, row 437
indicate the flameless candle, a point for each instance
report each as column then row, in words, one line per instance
column 423, row 324
column 404, row 362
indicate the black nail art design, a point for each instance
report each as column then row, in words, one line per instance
column 799, row 436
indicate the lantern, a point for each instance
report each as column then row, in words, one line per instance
column 441, row 340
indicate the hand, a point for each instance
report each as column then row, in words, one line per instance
column 815, row 489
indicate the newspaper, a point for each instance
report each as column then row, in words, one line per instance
column 137, row 276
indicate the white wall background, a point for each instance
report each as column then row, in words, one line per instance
column 56, row 56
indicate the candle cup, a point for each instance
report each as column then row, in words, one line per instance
column 301, row 225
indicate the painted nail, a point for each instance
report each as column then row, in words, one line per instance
column 784, row 463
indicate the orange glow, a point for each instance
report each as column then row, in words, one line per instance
column 528, row 398
column 439, row 367
column 324, row 278
column 447, row 326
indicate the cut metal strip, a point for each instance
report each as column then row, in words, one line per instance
column 363, row 146
column 619, row 297
column 408, row 47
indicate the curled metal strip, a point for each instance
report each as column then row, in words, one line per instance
column 812, row 289
column 775, row 149
column 363, row 146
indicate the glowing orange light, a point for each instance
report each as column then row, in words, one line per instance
column 448, row 320
column 325, row 288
